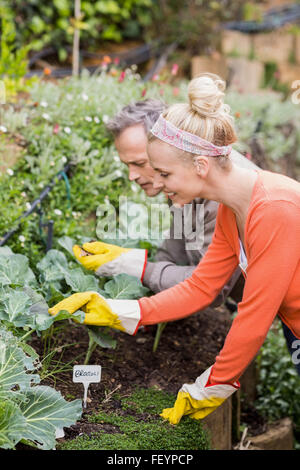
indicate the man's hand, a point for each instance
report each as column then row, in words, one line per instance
column 122, row 315
column 109, row 260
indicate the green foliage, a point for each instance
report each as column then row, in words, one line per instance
column 279, row 384
column 76, row 109
column 102, row 20
column 194, row 24
column 22, row 307
column 252, row 12
column 138, row 427
column 13, row 59
column 276, row 117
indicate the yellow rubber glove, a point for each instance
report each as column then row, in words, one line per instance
column 122, row 315
column 199, row 399
column 109, row 260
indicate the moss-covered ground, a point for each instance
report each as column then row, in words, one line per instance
column 135, row 424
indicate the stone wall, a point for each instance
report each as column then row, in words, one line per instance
column 243, row 58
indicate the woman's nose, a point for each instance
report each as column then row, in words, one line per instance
column 157, row 182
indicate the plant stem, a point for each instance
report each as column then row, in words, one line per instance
column 159, row 330
column 26, row 335
column 91, row 348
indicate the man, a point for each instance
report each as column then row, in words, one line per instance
column 178, row 256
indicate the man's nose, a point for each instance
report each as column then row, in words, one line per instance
column 133, row 174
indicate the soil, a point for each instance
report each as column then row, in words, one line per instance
column 187, row 347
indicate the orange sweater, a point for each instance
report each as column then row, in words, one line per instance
column 272, row 245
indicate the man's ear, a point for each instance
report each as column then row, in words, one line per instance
column 202, row 165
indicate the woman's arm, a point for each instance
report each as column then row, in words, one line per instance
column 199, row 290
column 274, row 249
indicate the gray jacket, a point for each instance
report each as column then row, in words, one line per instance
column 178, row 255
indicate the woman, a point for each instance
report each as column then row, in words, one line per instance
column 258, row 227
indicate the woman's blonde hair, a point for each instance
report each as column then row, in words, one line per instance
column 206, row 114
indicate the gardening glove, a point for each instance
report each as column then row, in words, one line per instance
column 199, row 399
column 110, row 260
column 122, row 315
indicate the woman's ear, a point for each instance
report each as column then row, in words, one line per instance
column 202, row 165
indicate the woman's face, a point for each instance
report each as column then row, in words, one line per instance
column 176, row 177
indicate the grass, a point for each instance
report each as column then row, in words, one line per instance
column 138, row 426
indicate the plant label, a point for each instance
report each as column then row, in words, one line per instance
column 86, row 375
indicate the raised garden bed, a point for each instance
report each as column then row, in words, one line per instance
column 186, row 349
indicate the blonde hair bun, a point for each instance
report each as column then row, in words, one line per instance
column 206, row 96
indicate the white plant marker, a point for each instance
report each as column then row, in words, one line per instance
column 86, row 375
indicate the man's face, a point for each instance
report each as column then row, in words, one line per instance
column 131, row 145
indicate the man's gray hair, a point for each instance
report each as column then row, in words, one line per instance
column 141, row 112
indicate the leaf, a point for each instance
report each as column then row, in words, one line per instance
column 12, row 424
column 99, row 336
column 67, row 243
column 80, row 282
column 23, row 308
column 124, row 286
column 14, row 363
column 14, row 270
column 15, row 308
column 45, row 410
column 5, row 250
column 78, row 316
column 53, row 266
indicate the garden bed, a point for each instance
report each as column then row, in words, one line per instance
column 187, row 347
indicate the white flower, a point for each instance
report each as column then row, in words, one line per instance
column 96, row 119
column 46, row 116
column 9, row 171
column 84, row 96
column 22, row 238
column 57, row 212
column 23, row 194
column 3, row 129
column 134, row 67
column 52, row 163
column 116, row 158
column 118, row 173
column 88, row 118
column 105, row 118
column 67, row 130
column 134, row 188
column 28, row 205
column 44, row 104
column 64, row 159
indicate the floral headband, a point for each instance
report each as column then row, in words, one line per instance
column 166, row 131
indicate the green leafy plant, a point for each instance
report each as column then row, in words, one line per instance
column 29, row 412
column 13, row 60
column 103, row 20
column 279, row 383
